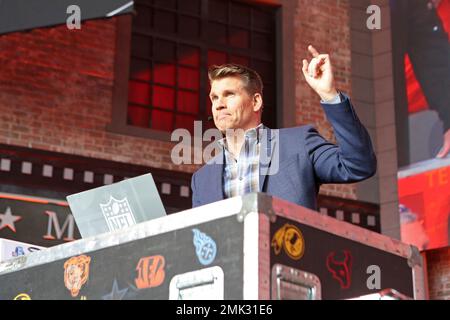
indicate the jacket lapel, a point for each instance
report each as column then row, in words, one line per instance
column 216, row 178
column 267, row 149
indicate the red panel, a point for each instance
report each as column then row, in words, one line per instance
column 164, row 74
column 163, row 97
column 138, row 92
column 239, row 14
column 188, row 78
column 218, row 10
column 189, row 27
column 261, row 41
column 239, row 38
column 216, row 58
column 191, row 6
column 165, row 21
column 162, row 120
column 217, row 32
column 141, row 46
column 140, row 70
column 189, row 56
column 263, row 20
column 444, row 14
column 138, row 116
column 164, row 50
column 426, row 195
column 186, row 122
column 188, row 102
column 143, row 17
column 244, row 61
column 416, row 98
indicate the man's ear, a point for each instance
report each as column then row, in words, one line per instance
column 257, row 102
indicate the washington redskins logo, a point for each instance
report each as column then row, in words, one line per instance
column 22, row 296
column 289, row 238
column 76, row 273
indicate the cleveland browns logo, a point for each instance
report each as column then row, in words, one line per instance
column 291, row 239
column 76, row 273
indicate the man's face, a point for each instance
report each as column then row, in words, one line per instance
column 232, row 106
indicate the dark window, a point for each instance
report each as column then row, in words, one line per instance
column 174, row 42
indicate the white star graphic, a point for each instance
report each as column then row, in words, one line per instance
column 8, row 220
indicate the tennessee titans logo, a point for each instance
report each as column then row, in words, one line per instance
column 205, row 247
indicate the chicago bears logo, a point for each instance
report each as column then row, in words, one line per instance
column 76, row 273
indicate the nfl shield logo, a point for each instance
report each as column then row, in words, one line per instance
column 118, row 213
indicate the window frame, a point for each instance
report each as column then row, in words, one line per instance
column 284, row 74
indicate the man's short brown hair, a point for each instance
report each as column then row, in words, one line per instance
column 251, row 79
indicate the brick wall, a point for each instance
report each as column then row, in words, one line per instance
column 56, row 94
column 326, row 25
column 438, row 269
column 56, row 88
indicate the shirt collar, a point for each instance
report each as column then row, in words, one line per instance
column 250, row 135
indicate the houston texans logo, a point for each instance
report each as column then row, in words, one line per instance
column 341, row 269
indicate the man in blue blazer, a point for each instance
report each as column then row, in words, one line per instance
column 288, row 163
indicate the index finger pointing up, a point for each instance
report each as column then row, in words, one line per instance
column 313, row 51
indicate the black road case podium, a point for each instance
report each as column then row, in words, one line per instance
column 250, row 247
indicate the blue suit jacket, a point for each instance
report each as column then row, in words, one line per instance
column 305, row 160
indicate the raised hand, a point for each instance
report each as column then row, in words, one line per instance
column 319, row 74
column 446, row 146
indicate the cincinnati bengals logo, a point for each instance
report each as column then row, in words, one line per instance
column 289, row 238
column 341, row 269
column 150, row 272
column 76, row 273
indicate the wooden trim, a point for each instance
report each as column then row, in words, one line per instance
column 348, row 207
column 121, row 71
column 128, row 130
column 285, row 77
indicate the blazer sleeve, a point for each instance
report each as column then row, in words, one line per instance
column 353, row 158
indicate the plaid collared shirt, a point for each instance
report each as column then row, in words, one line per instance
column 241, row 175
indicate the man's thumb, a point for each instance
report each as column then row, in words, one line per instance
column 443, row 152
